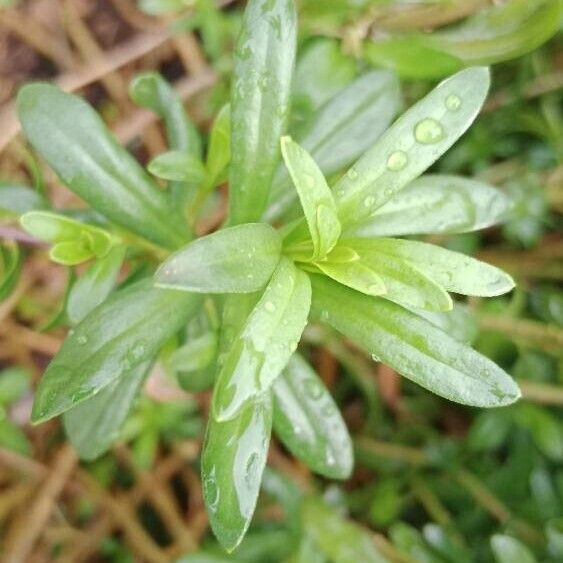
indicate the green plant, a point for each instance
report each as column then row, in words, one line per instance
column 230, row 307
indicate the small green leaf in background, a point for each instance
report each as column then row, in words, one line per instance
column 16, row 200
column 94, row 285
column 412, row 346
column 554, row 533
column 160, row 7
column 177, row 165
column 309, row 423
column 414, row 142
column 339, row 539
column 75, row 142
column 233, row 459
column 219, row 151
column 10, row 268
column 507, row 549
column 263, row 68
column 125, row 331
column 238, row 259
column 266, row 342
column 14, row 384
column 197, row 354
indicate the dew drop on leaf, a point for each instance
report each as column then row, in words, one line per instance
column 82, row 339
column 369, row 201
column 397, row 161
column 375, row 358
column 270, row 307
column 453, row 102
column 352, row 174
column 428, row 131
column 313, row 389
column 211, row 491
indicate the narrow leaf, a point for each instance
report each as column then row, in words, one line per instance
column 16, row 200
column 94, row 425
column 75, row 142
column 125, row 331
column 232, row 463
column 415, row 141
column 238, row 259
column 308, row 421
column 437, row 203
column 413, row 347
column 356, row 275
column 177, row 165
column 219, row 152
column 266, row 342
column 315, row 195
column 264, row 60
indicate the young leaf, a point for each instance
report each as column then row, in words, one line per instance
column 232, row 462
column 415, row 141
column 177, row 165
column 125, row 331
column 316, row 198
column 266, row 342
column 219, row 152
column 75, row 142
column 309, row 423
column 436, row 203
column 93, row 425
column 340, row 540
column 238, row 259
column 356, row 275
column 92, row 288
column 412, row 346
column 453, row 271
column 263, row 67
column 342, row 131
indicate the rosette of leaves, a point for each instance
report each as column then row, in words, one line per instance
column 233, row 304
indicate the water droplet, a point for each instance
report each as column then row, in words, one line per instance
column 309, row 180
column 369, row 201
column 352, row 174
column 375, row 358
column 313, row 389
column 324, row 315
column 453, row 102
column 428, row 131
column 251, row 470
column 330, row 460
column 211, row 491
column 137, row 352
column 270, row 307
column 397, row 161
column 82, row 339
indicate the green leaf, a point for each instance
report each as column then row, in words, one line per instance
column 14, row 384
column 414, row 142
column 125, row 331
column 177, row 165
column 13, row 438
column 308, row 421
column 94, row 425
column 232, row 463
column 356, row 275
column 437, row 203
column 238, row 259
column 459, row 323
column 263, row 68
column 159, row 7
column 92, row 288
column 342, row 130
column 10, row 268
column 316, row 198
column 197, row 354
column 453, row 271
column 340, row 540
column 266, row 342
column 16, row 200
column 412, row 346
column 219, row 152
column 507, row 549
column 75, row 142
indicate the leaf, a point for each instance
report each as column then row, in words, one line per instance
column 342, row 130
column 16, row 200
column 356, row 275
column 238, row 259
column 14, row 384
column 92, row 288
column 437, row 203
column 75, row 142
column 459, row 323
column 340, row 540
column 94, row 425
column 412, row 346
column 197, row 354
column 177, row 165
column 232, row 463
column 266, row 342
column 414, row 142
column 507, row 549
column 453, row 271
column 219, row 152
column 125, row 331
column 263, row 68
column 10, row 268
column 308, row 422
column 315, row 195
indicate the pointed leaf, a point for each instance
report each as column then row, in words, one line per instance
column 356, row 275
column 219, row 152
column 264, row 60
column 125, row 331
column 238, row 259
column 315, row 195
column 415, row 141
column 177, row 165
column 75, row 142
column 453, row 271
column 93, row 426
column 412, row 346
column 436, row 203
column 232, row 463
column 266, row 342
column 308, row 421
